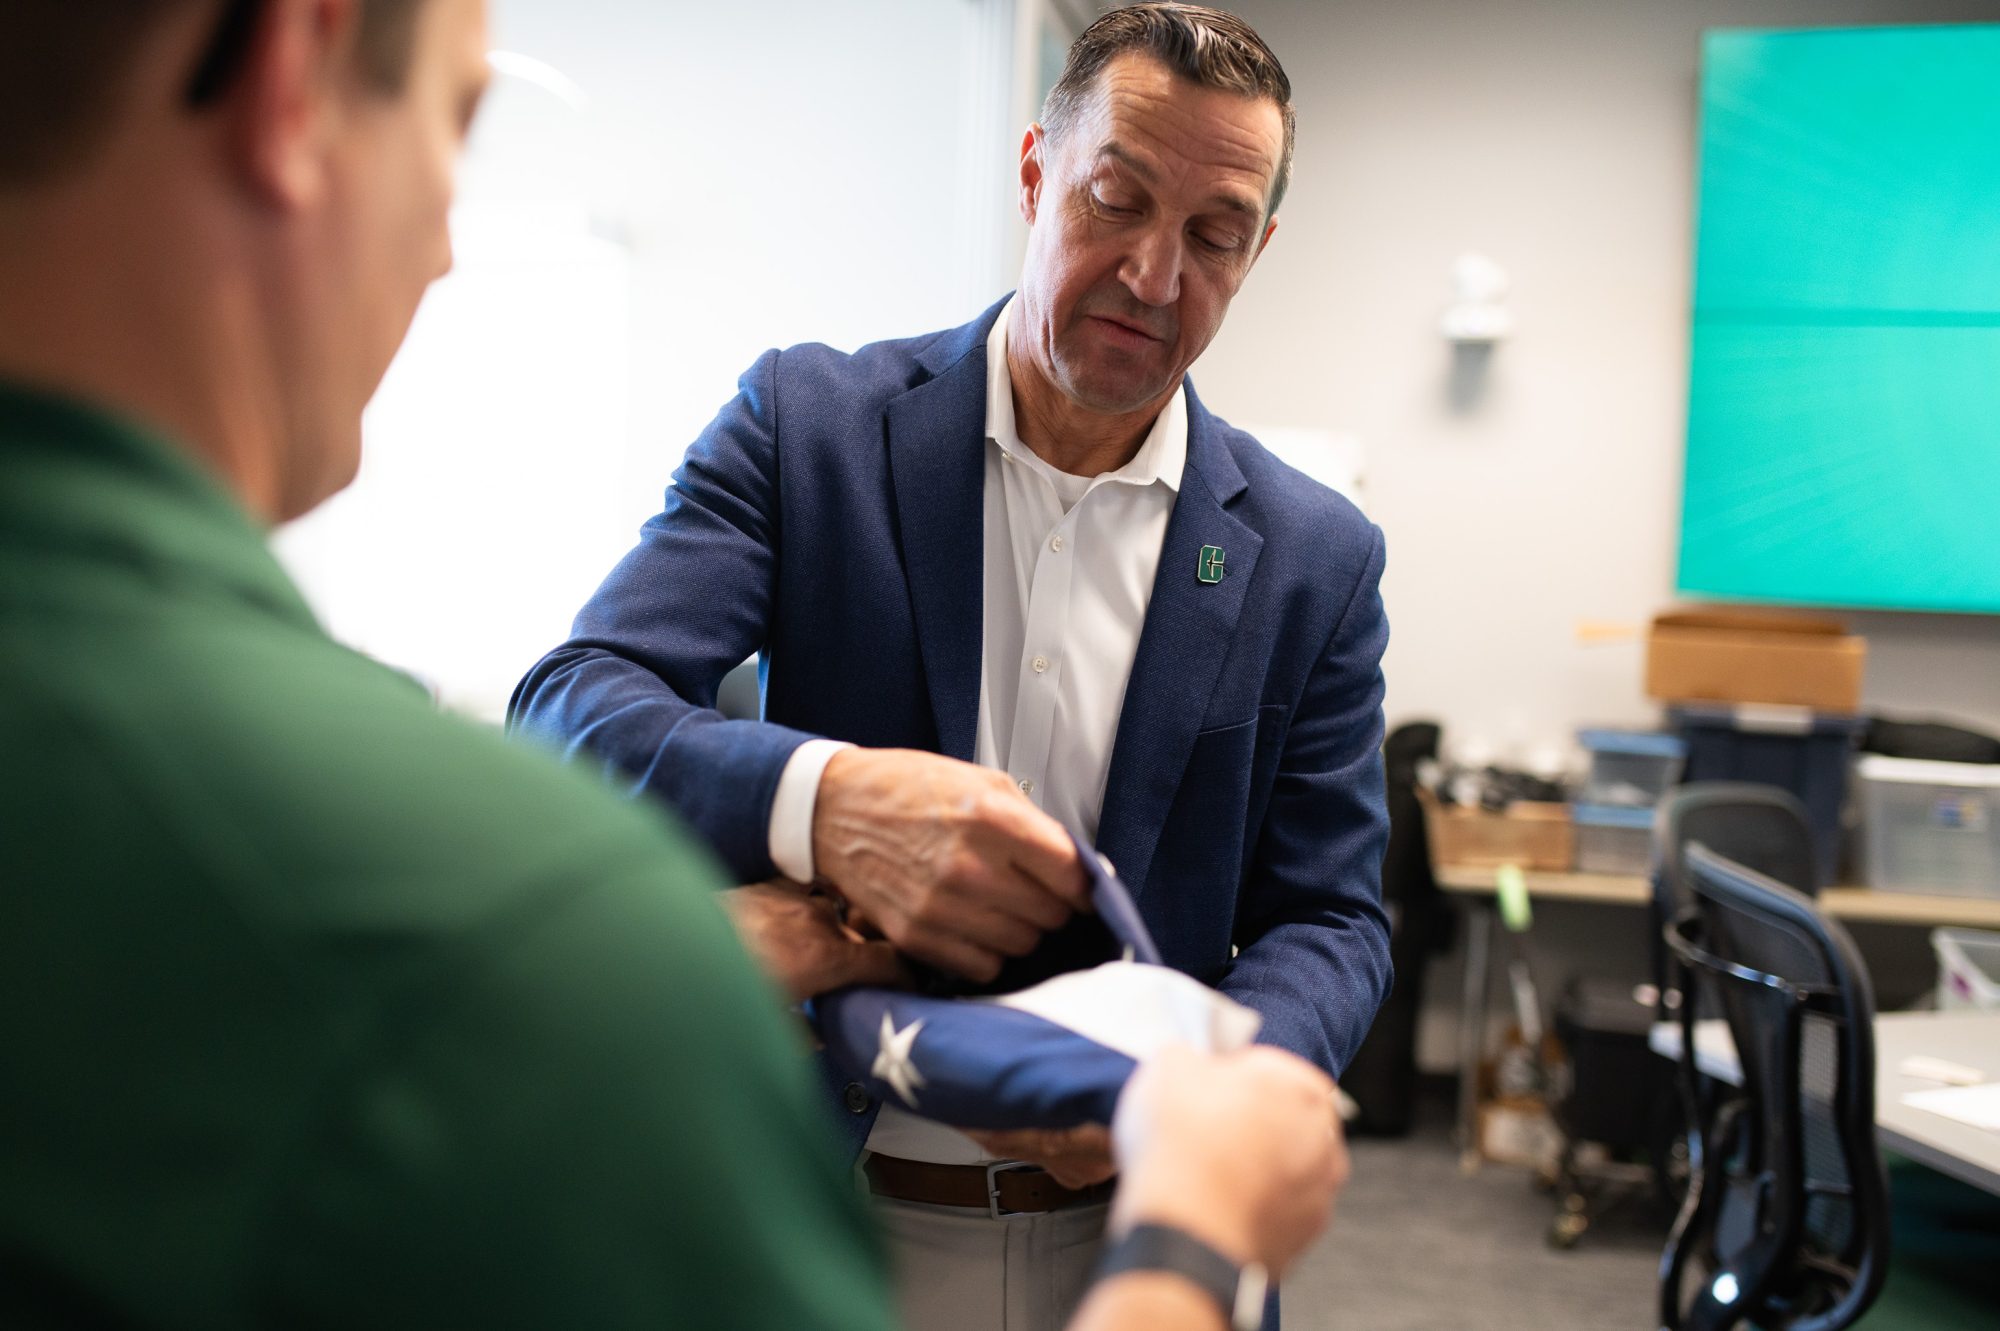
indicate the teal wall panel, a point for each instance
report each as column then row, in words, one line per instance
column 1844, row 404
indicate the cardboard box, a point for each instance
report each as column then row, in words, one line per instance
column 1516, row 1130
column 1527, row 835
column 1755, row 656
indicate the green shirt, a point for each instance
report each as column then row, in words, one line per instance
column 319, row 1009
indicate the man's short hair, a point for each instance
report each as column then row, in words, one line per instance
column 1207, row 47
column 65, row 66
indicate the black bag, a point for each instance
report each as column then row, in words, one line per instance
column 1930, row 740
column 1382, row 1078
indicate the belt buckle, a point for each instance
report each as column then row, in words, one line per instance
column 993, row 1173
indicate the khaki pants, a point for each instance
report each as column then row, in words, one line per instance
column 962, row 1270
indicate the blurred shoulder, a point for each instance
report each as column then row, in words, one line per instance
column 318, row 767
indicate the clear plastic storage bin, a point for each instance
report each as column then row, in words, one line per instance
column 1611, row 838
column 1634, row 768
column 1968, row 968
column 1931, row 827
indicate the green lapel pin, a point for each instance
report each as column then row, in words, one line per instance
column 1210, row 567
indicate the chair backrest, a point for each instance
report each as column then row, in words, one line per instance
column 1790, row 1205
column 1762, row 828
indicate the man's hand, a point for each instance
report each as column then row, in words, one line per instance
column 798, row 939
column 1073, row 1157
column 1244, row 1151
column 948, row 860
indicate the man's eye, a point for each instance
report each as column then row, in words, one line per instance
column 1219, row 242
column 1115, row 209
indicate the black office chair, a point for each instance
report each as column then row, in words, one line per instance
column 1786, row 1223
column 1623, row 1097
column 1762, row 828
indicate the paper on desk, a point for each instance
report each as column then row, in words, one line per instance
column 1977, row 1105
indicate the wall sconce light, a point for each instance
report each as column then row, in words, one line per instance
column 1478, row 312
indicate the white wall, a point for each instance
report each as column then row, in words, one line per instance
column 747, row 176
column 687, row 185
column 741, row 177
column 1559, row 137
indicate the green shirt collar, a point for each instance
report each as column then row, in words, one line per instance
column 80, row 482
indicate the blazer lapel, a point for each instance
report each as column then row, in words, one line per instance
column 937, row 462
column 1189, row 626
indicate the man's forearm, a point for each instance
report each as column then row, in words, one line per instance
column 621, row 714
column 1148, row 1301
column 634, row 687
column 1316, row 985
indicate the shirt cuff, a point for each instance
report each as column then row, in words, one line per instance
column 792, row 807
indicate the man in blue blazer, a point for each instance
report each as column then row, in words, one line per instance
column 1014, row 578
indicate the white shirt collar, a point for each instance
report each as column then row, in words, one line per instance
column 1162, row 457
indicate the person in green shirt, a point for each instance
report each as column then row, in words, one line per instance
column 320, row 1009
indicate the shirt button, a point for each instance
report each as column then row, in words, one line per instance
column 1040, row 664
column 856, row 1098
column 1027, row 786
column 1055, row 544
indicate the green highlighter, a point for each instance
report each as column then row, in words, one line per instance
column 1510, row 892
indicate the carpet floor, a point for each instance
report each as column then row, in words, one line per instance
column 1418, row 1245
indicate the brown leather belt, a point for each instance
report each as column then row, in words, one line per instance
column 998, row 1189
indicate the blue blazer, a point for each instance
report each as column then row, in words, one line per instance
column 831, row 519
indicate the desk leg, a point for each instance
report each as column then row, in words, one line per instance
column 1480, row 919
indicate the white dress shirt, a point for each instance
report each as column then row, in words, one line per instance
column 1069, row 570
column 1070, row 562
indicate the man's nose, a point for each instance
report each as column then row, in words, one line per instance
column 1152, row 271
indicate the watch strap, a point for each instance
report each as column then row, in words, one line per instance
column 1151, row 1247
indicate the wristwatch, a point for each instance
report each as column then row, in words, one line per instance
column 1164, row 1248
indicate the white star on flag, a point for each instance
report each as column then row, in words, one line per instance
column 892, row 1061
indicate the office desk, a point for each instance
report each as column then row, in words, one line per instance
column 1968, row 1154
column 1843, row 903
column 1477, row 887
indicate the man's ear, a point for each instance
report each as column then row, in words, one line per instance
column 298, row 76
column 1032, row 150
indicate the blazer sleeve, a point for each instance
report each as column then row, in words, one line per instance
column 1312, row 934
column 633, row 689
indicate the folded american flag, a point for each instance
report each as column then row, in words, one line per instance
column 1054, row 1055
